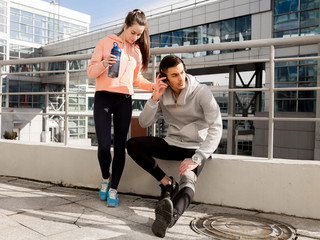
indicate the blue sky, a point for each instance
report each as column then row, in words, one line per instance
column 102, row 11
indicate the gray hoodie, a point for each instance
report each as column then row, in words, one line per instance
column 194, row 118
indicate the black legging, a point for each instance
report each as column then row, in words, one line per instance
column 120, row 106
column 143, row 150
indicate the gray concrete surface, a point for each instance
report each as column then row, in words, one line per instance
column 34, row 210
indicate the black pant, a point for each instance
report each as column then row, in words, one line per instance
column 143, row 150
column 120, row 107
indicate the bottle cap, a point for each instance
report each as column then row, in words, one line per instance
column 116, row 47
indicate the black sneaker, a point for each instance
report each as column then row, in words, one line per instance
column 164, row 213
column 169, row 191
column 175, row 217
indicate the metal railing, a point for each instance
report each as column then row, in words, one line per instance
column 271, row 43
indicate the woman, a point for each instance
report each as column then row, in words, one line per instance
column 113, row 95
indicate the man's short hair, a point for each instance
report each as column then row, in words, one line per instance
column 170, row 61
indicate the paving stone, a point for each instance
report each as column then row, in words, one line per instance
column 42, row 212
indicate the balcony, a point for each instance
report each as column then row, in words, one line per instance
column 285, row 187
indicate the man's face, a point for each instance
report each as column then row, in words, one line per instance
column 177, row 77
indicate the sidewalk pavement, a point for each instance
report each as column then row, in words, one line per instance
column 38, row 211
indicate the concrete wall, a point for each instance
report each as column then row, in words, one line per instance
column 279, row 186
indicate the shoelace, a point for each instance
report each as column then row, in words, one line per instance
column 104, row 186
column 112, row 194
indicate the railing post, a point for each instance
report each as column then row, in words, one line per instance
column 1, row 82
column 66, row 105
column 271, row 104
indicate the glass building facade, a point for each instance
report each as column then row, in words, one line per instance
column 31, row 27
column 236, row 29
column 296, row 18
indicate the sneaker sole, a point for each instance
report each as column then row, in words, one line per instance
column 164, row 212
column 112, row 205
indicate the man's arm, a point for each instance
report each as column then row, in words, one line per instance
column 212, row 116
column 152, row 111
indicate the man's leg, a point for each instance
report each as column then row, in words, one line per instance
column 186, row 193
column 143, row 150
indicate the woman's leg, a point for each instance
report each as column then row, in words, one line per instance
column 102, row 120
column 122, row 113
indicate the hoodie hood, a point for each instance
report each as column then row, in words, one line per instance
column 168, row 97
column 116, row 38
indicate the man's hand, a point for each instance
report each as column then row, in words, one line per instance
column 158, row 88
column 186, row 166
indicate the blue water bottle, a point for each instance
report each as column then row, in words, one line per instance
column 114, row 69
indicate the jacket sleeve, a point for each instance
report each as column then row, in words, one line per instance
column 150, row 113
column 212, row 116
column 96, row 68
column 140, row 82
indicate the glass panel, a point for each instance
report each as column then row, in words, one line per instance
column 307, row 94
column 27, row 37
column 28, row 14
column 286, row 22
column 309, row 18
column 155, row 41
column 306, row 106
column 14, row 17
column 40, row 17
column 286, row 94
column 285, row 6
column 165, row 39
column 14, row 34
column 14, row 10
column 227, row 31
column 309, row 4
column 308, row 73
column 27, row 21
column 309, row 31
column 40, row 24
column 243, row 28
column 292, row 33
column 286, row 74
column 177, row 38
column 14, row 26
column 285, row 105
column 213, row 35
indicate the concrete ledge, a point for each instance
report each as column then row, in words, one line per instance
column 288, row 187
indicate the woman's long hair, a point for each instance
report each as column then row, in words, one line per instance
column 138, row 16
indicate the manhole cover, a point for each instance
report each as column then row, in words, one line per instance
column 224, row 226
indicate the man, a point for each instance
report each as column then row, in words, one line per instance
column 194, row 132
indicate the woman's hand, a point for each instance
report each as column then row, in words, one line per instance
column 158, row 88
column 186, row 166
column 109, row 60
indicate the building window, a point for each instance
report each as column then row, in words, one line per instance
column 296, row 18
column 237, row 29
column 32, row 27
column 3, row 16
column 296, row 74
column 27, row 100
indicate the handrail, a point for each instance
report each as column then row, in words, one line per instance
column 271, row 43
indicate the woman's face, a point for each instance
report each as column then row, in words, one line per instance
column 133, row 33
